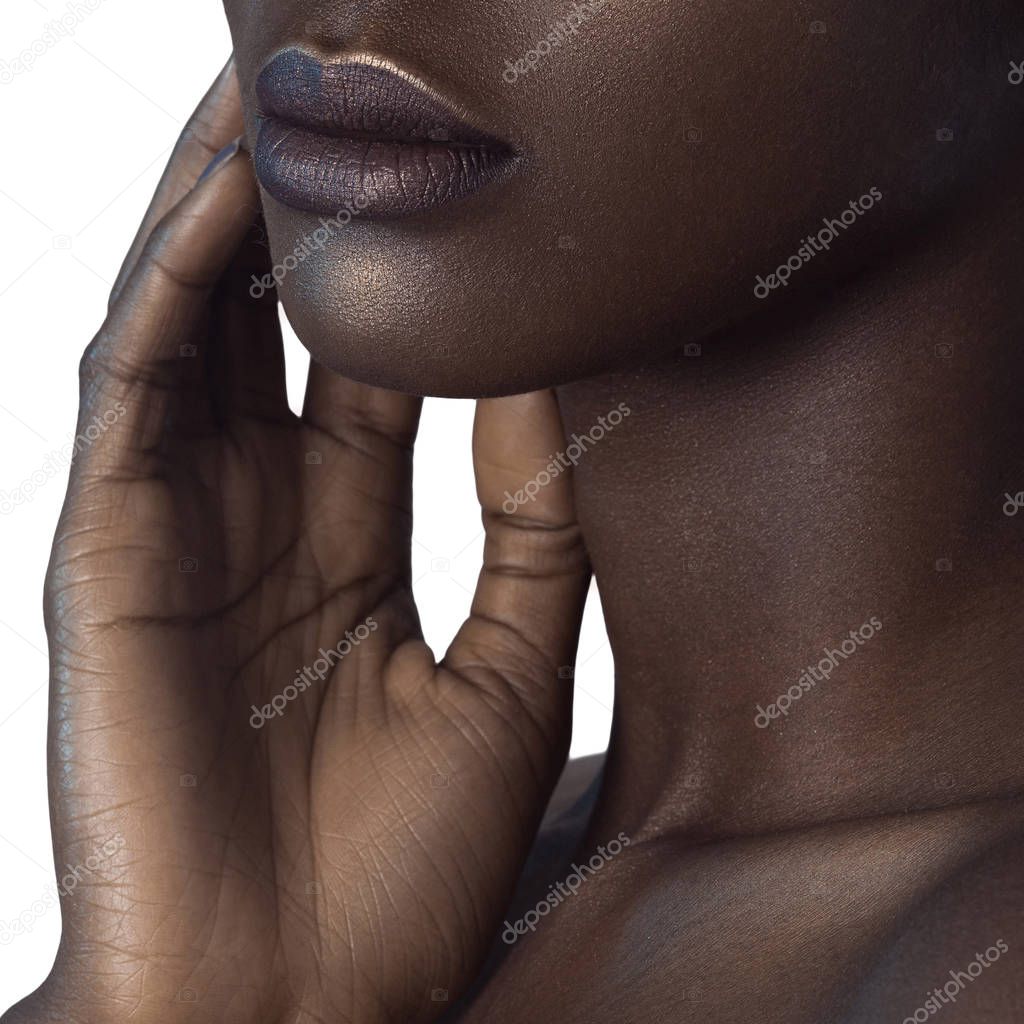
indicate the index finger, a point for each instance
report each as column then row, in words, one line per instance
column 132, row 364
column 213, row 125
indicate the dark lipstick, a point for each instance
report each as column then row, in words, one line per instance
column 361, row 136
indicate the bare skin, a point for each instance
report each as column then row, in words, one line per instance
column 764, row 499
column 347, row 856
column 837, row 453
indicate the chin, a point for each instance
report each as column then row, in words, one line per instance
column 434, row 355
column 410, row 308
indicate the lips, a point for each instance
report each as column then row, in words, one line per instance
column 360, row 136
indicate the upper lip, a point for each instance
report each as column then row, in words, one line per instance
column 360, row 131
column 361, row 98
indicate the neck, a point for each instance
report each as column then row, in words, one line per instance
column 824, row 490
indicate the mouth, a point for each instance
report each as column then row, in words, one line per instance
column 361, row 136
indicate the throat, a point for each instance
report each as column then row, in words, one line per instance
column 808, row 576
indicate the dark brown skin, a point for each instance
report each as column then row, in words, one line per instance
column 350, row 858
column 838, row 451
column 765, row 498
column 666, row 235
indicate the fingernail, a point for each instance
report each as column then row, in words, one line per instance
column 220, row 159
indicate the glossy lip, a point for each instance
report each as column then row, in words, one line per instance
column 359, row 135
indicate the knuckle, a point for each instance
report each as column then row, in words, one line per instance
column 164, row 254
column 200, row 133
column 526, row 554
column 89, row 365
column 159, row 239
column 543, row 536
column 101, row 370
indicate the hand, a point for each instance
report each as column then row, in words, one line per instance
column 336, row 845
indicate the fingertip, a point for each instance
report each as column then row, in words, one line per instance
column 517, row 443
column 193, row 244
column 220, row 159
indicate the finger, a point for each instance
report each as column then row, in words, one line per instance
column 336, row 405
column 216, row 121
column 247, row 368
column 135, row 364
column 524, row 622
column 364, row 436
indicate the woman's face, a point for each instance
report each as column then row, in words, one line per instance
column 546, row 189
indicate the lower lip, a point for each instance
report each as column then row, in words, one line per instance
column 373, row 177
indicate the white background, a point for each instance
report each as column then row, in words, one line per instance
column 86, row 134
